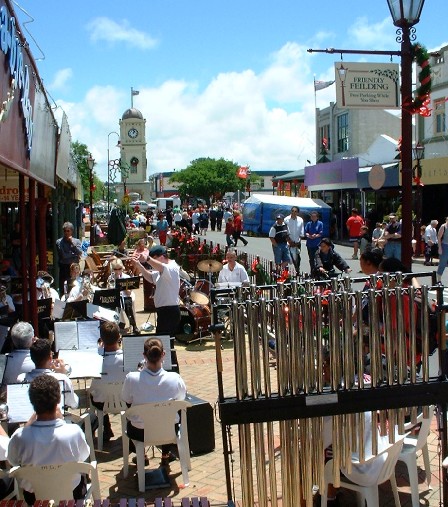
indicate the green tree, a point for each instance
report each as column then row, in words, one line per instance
column 80, row 155
column 208, row 178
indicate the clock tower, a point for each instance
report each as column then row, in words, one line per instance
column 133, row 148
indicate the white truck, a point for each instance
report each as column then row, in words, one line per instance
column 168, row 202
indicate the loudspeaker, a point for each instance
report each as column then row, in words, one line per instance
column 201, row 430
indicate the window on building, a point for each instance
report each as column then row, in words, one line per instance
column 439, row 116
column 342, row 132
column 324, row 133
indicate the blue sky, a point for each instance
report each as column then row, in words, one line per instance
column 226, row 79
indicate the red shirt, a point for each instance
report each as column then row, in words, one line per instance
column 354, row 224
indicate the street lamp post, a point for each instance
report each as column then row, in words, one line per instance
column 90, row 165
column 109, row 167
column 405, row 14
column 419, row 153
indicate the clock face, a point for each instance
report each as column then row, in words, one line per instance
column 133, row 133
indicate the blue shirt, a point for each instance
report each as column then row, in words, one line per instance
column 316, row 227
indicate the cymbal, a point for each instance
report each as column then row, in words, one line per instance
column 209, row 266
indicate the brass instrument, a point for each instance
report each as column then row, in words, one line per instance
column 111, row 281
column 87, row 289
column 43, row 282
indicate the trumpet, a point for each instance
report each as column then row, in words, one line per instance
column 111, row 281
column 44, row 284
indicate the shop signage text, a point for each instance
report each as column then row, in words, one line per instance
column 19, row 72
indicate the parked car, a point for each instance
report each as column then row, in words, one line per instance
column 142, row 205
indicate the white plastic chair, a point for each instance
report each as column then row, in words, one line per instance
column 367, row 489
column 159, row 419
column 408, row 454
column 113, row 404
column 55, row 482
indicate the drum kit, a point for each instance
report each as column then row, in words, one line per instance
column 195, row 301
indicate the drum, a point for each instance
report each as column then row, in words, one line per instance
column 194, row 321
column 201, row 292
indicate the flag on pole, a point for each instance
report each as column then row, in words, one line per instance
column 242, row 172
column 135, row 92
column 320, row 85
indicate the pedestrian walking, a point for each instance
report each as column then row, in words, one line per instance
column 431, row 242
column 392, row 234
column 279, row 236
column 296, row 233
column 442, row 236
column 354, row 224
column 314, row 230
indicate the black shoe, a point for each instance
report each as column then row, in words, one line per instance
column 108, row 434
column 134, row 460
column 167, row 459
column 137, row 330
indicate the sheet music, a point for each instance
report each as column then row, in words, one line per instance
column 58, row 309
column 88, row 334
column 84, row 363
column 66, row 335
column 91, row 309
column 133, row 351
column 19, row 405
column 106, row 314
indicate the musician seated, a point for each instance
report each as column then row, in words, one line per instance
column 128, row 296
column 19, row 359
column 233, row 271
column 6, row 300
column 73, row 281
column 80, row 286
column 112, row 371
column 149, row 385
column 44, row 289
column 48, row 440
column 42, row 357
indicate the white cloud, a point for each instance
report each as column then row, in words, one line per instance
column 105, row 29
column 61, row 78
column 372, row 36
column 265, row 120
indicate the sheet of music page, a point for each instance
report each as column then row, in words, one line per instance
column 88, row 334
column 58, row 309
column 133, row 351
column 83, row 363
column 19, row 405
column 66, row 335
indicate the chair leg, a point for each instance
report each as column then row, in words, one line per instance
column 425, row 454
column 372, row 497
column 125, row 441
column 411, row 465
column 140, row 452
column 184, row 459
column 100, row 430
column 393, row 484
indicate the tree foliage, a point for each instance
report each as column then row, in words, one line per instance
column 80, row 154
column 208, row 178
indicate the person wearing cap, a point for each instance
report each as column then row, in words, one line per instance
column 165, row 276
column 392, row 234
column 326, row 259
column 279, row 236
column 354, row 224
column 314, row 230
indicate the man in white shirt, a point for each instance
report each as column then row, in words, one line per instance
column 112, row 371
column 19, row 360
column 48, row 440
column 233, row 271
column 296, row 233
column 41, row 356
column 165, row 275
column 431, row 242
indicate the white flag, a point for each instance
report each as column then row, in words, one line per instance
column 320, row 85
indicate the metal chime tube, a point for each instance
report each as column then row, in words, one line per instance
column 359, row 339
column 254, row 348
column 335, row 347
column 264, row 338
column 237, row 316
column 308, row 338
column 425, row 334
column 400, row 341
column 294, row 356
column 319, row 344
column 348, row 359
column 388, row 337
column 412, row 337
column 376, row 369
column 282, row 350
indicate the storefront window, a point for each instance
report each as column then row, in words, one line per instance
column 343, row 133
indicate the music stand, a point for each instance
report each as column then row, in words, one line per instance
column 108, row 298
column 75, row 310
column 44, row 308
column 133, row 282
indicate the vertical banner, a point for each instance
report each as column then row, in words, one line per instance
column 367, row 85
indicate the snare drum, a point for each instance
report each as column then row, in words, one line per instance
column 201, row 292
column 194, row 320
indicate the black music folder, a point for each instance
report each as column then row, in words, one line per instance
column 108, row 298
column 44, row 308
column 133, row 282
column 75, row 310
